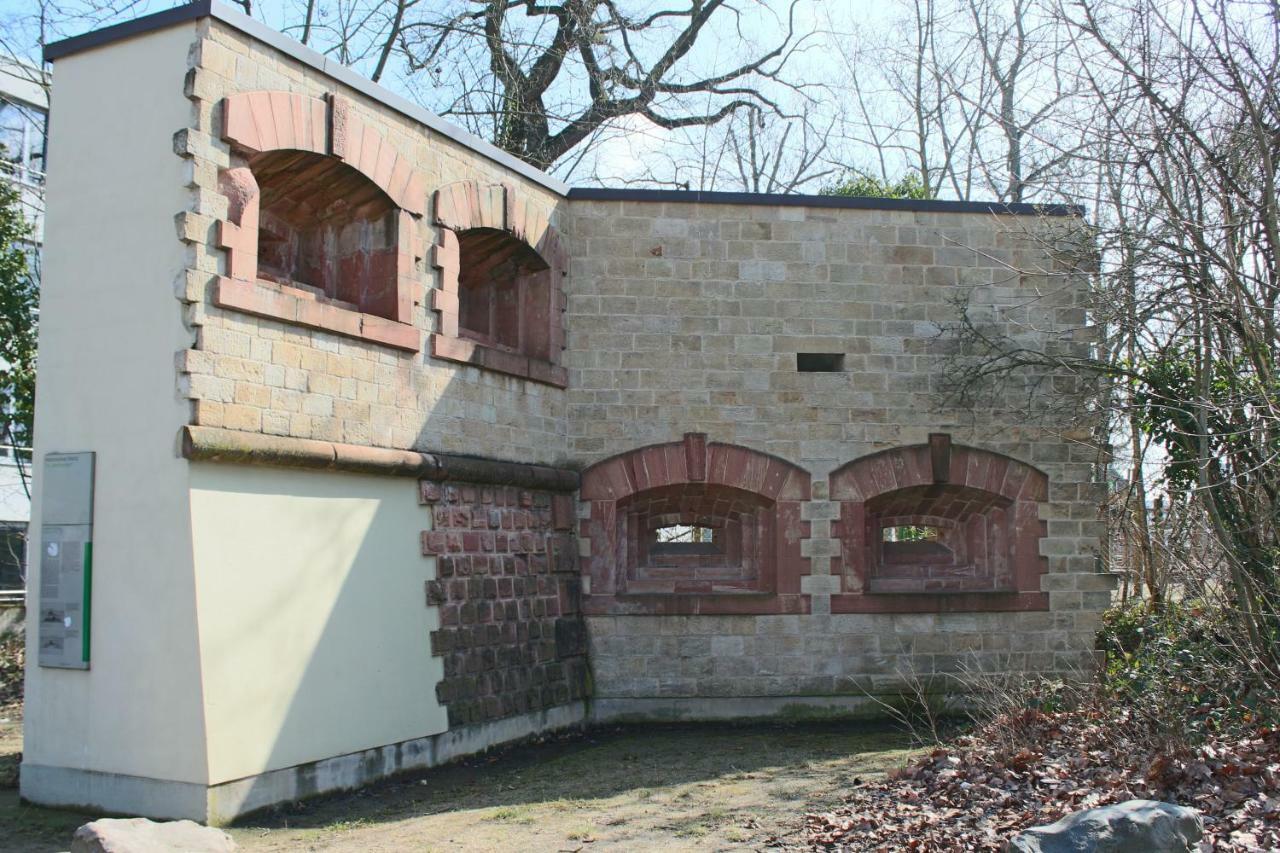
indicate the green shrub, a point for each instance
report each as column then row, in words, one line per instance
column 1186, row 671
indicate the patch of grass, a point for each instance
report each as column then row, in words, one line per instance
column 788, row 794
column 579, row 833
column 348, row 825
column 32, row 827
column 568, row 805
column 9, row 763
column 690, row 827
column 511, row 814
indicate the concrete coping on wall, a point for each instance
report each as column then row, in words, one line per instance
column 256, row 29
column 292, row 48
column 213, row 444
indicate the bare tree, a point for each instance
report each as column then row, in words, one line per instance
column 752, row 151
column 1183, row 143
column 27, row 27
column 540, row 78
column 969, row 94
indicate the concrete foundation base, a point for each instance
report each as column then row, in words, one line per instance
column 779, row 708
column 114, row 793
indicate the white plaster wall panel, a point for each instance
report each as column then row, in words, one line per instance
column 109, row 328
column 313, row 619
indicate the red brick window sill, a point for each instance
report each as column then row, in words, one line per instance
column 940, row 602
column 736, row 592
column 299, row 307
column 468, row 351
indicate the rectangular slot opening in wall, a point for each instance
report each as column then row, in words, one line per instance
column 819, row 362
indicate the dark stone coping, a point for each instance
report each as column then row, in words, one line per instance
column 288, row 46
column 213, row 444
column 822, row 201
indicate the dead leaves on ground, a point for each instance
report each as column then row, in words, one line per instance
column 974, row 795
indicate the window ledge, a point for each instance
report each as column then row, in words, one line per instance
column 933, row 586
column 736, row 592
column 464, row 351
column 291, row 305
column 940, row 602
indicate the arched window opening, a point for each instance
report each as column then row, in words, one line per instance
column 503, row 292
column 938, row 519
column 500, row 301
column 939, row 538
column 915, row 543
column 693, row 527
column 320, row 222
column 689, row 536
column 327, row 229
column 685, row 534
column 910, row 533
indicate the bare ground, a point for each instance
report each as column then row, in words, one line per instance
column 671, row 788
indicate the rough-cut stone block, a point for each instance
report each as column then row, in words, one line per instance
column 1136, row 826
column 139, row 835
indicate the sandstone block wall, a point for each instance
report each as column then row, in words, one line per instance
column 261, row 375
column 689, row 317
column 681, row 318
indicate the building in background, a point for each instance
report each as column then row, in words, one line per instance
column 15, row 513
column 24, row 112
column 24, row 115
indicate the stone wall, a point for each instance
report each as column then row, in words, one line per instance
column 727, row 666
column 251, row 373
column 689, row 317
column 681, row 318
column 511, row 632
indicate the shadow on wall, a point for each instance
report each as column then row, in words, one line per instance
column 332, row 652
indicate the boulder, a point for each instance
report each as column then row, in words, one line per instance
column 139, row 835
column 1137, row 826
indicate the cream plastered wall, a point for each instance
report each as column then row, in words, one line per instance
column 260, row 375
column 314, row 628
column 109, row 329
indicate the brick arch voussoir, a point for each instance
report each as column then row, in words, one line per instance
column 971, row 467
column 261, row 121
column 463, row 205
column 694, row 461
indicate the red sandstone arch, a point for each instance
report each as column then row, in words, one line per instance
column 985, row 507
column 486, row 226
column 754, row 498
column 327, row 169
column 257, row 122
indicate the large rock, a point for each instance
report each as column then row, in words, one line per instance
column 139, row 835
column 1138, row 826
